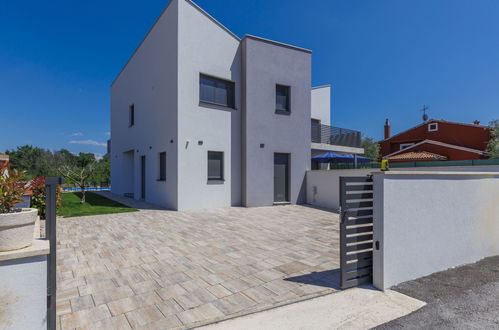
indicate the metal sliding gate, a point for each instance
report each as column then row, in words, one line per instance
column 356, row 231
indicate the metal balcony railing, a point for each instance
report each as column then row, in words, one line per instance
column 335, row 136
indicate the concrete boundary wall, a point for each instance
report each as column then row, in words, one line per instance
column 429, row 221
column 323, row 185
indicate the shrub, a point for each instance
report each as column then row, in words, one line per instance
column 39, row 195
column 12, row 188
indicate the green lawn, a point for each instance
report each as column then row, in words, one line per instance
column 95, row 204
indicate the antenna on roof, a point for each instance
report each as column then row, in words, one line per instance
column 425, row 116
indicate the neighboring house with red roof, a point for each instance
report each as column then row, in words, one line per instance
column 436, row 140
column 4, row 159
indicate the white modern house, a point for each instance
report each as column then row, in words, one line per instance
column 201, row 118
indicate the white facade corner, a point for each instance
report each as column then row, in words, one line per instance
column 162, row 81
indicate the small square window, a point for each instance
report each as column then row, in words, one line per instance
column 282, row 100
column 131, row 115
column 162, row 166
column 215, row 166
column 432, row 127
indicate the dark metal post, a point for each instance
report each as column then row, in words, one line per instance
column 51, row 186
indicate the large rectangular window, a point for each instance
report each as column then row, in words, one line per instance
column 131, row 115
column 282, row 103
column 216, row 91
column 215, row 166
column 162, row 166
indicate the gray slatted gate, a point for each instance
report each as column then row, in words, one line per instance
column 356, row 231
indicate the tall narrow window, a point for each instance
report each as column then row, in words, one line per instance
column 162, row 166
column 215, row 166
column 282, row 104
column 216, row 91
column 131, row 116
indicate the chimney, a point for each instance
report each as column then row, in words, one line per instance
column 476, row 122
column 387, row 129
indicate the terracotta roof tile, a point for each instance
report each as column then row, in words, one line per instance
column 417, row 155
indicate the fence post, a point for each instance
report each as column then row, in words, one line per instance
column 51, row 186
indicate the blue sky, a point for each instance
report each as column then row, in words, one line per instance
column 384, row 59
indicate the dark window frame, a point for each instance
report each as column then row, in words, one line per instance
column 220, row 178
column 287, row 90
column 162, row 166
column 131, row 115
column 231, row 91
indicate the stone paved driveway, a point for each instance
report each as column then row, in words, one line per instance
column 158, row 269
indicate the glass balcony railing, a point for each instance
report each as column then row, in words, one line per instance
column 335, row 136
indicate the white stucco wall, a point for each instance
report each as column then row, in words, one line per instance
column 149, row 81
column 23, row 293
column 266, row 64
column 431, row 221
column 205, row 47
column 321, row 104
column 323, row 186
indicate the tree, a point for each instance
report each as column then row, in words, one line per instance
column 77, row 175
column 371, row 148
column 102, row 172
column 84, row 159
column 33, row 160
column 493, row 146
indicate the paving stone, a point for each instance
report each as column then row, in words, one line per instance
column 194, row 285
column 278, row 287
column 291, row 267
column 142, row 316
column 202, row 313
column 169, row 322
column 169, row 307
column 172, row 254
column 269, row 275
column 171, row 291
column 146, row 286
column 80, row 303
column 96, row 287
column 252, row 280
column 124, row 305
column 84, row 317
column 236, row 285
column 233, row 303
column 116, row 322
column 63, row 307
column 219, row 291
column 67, row 294
column 103, row 297
column 260, row 294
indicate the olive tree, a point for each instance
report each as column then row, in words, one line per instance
column 78, row 175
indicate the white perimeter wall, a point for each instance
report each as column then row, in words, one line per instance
column 205, row 47
column 23, row 293
column 431, row 221
column 149, row 81
column 323, row 186
column 321, row 104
